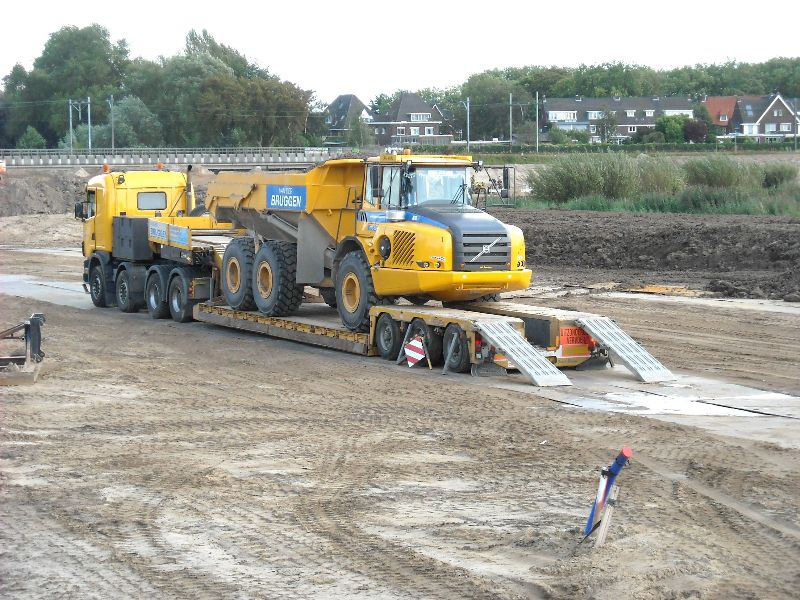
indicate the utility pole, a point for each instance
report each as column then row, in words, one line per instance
column 537, row 122
column 89, row 111
column 510, row 122
column 467, row 105
column 69, row 102
column 110, row 101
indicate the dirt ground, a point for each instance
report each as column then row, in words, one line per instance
column 154, row 459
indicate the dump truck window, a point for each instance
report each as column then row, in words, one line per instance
column 373, row 187
column 151, row 200
column 391, row 187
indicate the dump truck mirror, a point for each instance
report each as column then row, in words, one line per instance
column 79, row 212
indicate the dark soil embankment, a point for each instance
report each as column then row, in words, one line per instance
column 735, row 255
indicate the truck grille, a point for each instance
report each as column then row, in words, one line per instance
column 402, row 249
column 474, row 258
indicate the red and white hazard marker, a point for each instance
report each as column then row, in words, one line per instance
column 414, row 350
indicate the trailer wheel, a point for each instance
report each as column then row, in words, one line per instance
column 329, row 296
column 180, row 305
column 459, row 358
column 274, row 279
column 237, row 272
column 97, row 286
column 433, row 340
column 154, row 297
column 126, row 299
column 387, row 337
column 355, row 291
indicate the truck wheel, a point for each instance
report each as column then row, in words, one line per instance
column 329, row 296
column 274, row 284
column 237, row 272
column 387, row 337
column 355, row 291
column 126, row 299
column 433, row 341
column 155, row 298
column 459, row 359
column 97, row 286
column 180, row 305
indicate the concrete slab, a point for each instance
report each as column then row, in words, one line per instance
column 65, row 293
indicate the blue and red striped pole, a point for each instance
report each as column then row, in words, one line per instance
column 607, row 477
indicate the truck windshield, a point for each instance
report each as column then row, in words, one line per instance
column 437, row 185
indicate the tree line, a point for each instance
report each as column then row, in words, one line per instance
column 212, row 95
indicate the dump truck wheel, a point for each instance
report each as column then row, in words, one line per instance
column 97, row 286
column 237, row 272
column 180, row 305
column 154, row 297
column 126, row 299
column 459, row 359
column 355, row 292
column 387, row 337
column 328, row 296
column 433, row 340
column 274, row 279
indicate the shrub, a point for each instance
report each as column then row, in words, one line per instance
column 659, row 175
column 776, row 174
column 721, row 172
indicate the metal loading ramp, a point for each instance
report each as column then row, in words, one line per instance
column 628, row 351
column 525, row 357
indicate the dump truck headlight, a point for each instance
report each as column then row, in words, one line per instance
column 423, row 264
column 384, row 247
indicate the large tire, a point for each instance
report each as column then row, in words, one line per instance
column 97, row 286
column 329, row 296
column 237, row 273
column 355, row 291
column 180, row 305
column 274, row 279
column 155, row 298
column 433, row 340
column 459, row 359
column 127, row 300
column 387, row 337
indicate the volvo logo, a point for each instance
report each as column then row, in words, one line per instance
column 486, row 248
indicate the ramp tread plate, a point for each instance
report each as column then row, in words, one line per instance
column 629, row 352
column 509, row 341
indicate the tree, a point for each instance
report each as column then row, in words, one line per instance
column 695, row 130
column 671, row 127
column 607, row 125
column 488, row 96
column 31, row 139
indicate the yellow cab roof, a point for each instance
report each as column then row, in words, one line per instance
column 141, row 179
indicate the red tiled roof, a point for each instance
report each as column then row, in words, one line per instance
column 720, row 105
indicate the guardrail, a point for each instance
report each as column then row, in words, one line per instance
column 132, row 157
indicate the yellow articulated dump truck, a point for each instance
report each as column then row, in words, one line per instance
column 365, row 232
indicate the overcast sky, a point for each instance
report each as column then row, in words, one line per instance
column 367, row 48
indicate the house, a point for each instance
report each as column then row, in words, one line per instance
column 341, row 116
column 410, row 120
column 720, row 109
column 631, row 113
column 765, row 118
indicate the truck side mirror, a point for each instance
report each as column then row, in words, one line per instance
column 79, row 212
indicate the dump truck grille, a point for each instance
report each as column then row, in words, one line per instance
column 402, row 248
column 484, row 252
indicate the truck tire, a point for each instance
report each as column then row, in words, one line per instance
column 127, row 300
column 328, row 296
column 433, row 340
column 97, row 286
column 237, row 272
column 274, row 279
column 355, row 291
column 387, row 337
column 459, row 359
column 155, row 298
column 180, row 305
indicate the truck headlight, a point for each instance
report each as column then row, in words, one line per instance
column 384, row 247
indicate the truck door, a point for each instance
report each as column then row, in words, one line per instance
column 103, row 220
column 89, row 242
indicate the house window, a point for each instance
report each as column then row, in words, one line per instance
column 562, row 115
column 420, row 116
column 401, row 131
column 778, row 112
column 750, row 129
column 649, row 113
column 771, row 128
column 630, row 113
column 413, row 131
column 593, row 115
column 631, row 128
column 592, row 128
column 786, row 126
column 723, row 118
column 429, row 131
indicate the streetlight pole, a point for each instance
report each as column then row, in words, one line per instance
column 70, row 124
column 466, row 105
column 510, row 122
column 537, row 122
column 110, row 101
column 89, row 111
